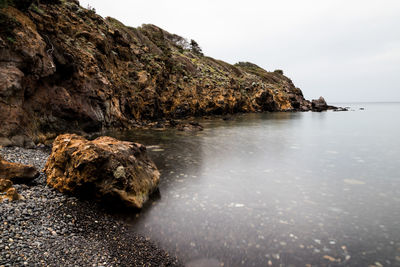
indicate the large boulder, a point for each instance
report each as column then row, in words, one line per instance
column 105, row 168
column 16, row 172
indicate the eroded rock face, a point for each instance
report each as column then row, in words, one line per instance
column 16, row 172
column 105, row 168
column 65, row 69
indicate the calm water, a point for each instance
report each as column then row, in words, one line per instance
column 279, row 188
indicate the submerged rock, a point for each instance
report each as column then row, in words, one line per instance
column 340, row 109
column 190, row 127
column 105, row 168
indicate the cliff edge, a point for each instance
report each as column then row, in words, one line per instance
column 65, row 68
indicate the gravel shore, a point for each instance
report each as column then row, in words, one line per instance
column 48, row 228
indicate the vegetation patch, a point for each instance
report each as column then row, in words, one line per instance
column 195, row 48
column 36, row 9
column 8, row 24
column 258, row 71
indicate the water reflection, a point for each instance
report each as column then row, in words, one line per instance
column 279, row 188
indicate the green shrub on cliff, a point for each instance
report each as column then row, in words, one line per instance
column 257, row 70
column 7, row 26
column 36, row 9
column 181, row 43
column 194, row 46
column 91, row 9
column 247, row 65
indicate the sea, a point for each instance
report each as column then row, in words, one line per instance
column 278, row 189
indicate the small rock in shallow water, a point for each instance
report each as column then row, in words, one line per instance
column 190, row 127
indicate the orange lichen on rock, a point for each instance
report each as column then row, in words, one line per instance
column 105, row 168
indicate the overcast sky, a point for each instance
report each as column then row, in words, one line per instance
column 343, row 50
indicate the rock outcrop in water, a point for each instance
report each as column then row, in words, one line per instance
column 319, row 104
column 104, row 168
column 64, row 68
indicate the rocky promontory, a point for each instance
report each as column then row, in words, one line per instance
column 63, row 68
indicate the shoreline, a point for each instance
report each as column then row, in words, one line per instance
column 53, row 229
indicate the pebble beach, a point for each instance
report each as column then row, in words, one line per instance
column 48, row 228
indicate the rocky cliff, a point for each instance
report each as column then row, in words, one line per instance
column 65, row 68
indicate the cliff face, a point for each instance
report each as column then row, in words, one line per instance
column 64, row 68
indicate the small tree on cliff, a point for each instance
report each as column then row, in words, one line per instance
column 194, row 46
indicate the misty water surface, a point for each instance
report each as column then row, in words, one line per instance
column 279, row 188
